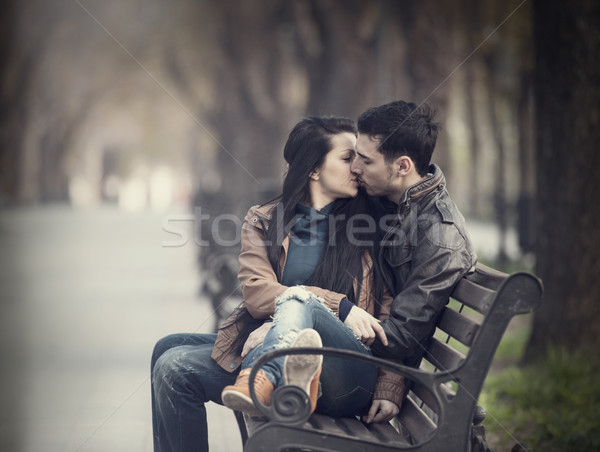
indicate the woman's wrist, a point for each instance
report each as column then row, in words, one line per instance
column 345, row 307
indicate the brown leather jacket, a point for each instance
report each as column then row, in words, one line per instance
column 260, row 287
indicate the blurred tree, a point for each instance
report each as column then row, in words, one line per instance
column 427, row 27
column 497, row 102
column 274, row 63
column 16, row 71
column 567, row 95
column 340, row 43
column 96, row 76
column 469, row 17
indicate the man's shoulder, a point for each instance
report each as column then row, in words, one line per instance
column 442, row 208
column 442, row 222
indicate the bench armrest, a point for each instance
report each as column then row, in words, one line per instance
column 290, row 405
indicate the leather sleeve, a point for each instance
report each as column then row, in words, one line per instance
column 437, row 262
column 389, row 386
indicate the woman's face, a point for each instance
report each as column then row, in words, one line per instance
column 334, row 179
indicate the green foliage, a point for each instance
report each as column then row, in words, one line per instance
column 550, row 405
column 513, row 343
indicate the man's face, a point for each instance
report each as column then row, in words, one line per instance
column 370, row 167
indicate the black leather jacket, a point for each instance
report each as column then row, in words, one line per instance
column 424, row 252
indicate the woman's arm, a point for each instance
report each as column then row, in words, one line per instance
column 259, row 283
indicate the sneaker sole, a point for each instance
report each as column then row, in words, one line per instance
column 237, row 401
column 301, row 369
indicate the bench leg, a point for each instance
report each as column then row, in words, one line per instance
column 478, row 442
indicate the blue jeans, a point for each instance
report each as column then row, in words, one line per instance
column 183, row 378
column 347, row 387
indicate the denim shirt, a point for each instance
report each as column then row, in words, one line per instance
column 307, row 242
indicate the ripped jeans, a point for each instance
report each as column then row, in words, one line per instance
column 347, row 387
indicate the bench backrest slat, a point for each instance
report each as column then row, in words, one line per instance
column 425, row 397
column 458, row 326
column 442, row 356
column 415, row 421
column 474, row 296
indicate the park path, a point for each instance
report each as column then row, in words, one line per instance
column 84, row 295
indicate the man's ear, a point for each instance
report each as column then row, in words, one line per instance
column 403, row 166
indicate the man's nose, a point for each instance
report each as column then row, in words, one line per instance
column 354, row 167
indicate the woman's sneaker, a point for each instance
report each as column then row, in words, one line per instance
column 237, row 396
column 304, row 370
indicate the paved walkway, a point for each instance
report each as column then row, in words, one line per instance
column 83, row 297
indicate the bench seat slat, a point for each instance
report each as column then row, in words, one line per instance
column 353, row 428
column 458, row 326
column 473, row 295
column 321, row 422
column 387, row 434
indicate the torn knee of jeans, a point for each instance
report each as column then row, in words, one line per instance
column 299, row 293
column 287, row 339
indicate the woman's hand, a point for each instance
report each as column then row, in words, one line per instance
column 381, row 411
column 365, row 326
column 256, row 338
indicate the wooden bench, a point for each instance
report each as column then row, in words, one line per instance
column 440, row 411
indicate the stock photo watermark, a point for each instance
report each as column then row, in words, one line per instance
column 361, row 230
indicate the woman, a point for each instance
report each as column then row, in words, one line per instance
column 287, row 243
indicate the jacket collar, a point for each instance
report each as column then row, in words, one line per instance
column 264, row 211
column 433, row 180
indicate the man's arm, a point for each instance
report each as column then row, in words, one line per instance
column 435, row 268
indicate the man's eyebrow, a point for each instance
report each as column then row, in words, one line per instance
column 363, row 156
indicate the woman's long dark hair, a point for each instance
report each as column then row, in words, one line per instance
column 341, row 266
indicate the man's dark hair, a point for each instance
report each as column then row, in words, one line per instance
column 404, row 129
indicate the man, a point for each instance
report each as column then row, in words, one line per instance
column 425, row 248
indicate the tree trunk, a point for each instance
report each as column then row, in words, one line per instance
column 567, row 40
column 526, row 202
column 426, row 25
column 471, row 15
column 500, row 207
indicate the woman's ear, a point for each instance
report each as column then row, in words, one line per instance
column 315, row 175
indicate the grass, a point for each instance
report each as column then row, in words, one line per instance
column 550, row 405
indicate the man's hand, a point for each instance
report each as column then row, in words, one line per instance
column 381, row 411
column 365, row 326
column 256, row 338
